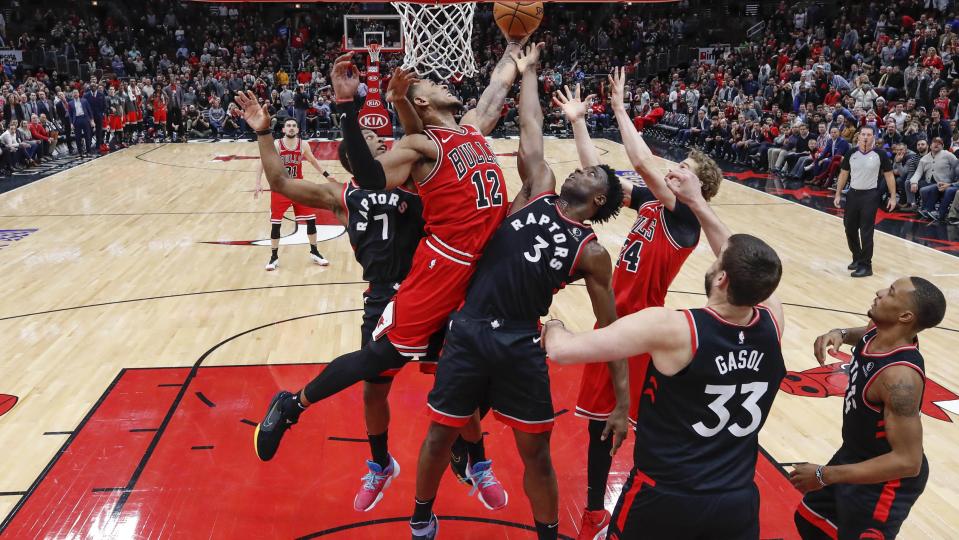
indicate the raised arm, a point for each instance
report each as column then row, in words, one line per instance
column 396, row 94
column 640, row 156
column 575, row 110
column 316, row 195
column 597, row 271
column 487, row 111
column 536, row 174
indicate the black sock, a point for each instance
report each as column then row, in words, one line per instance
column 475, row 450
column 275, row 256
column 313, row 249
column 547, row 532
column 378, row 448
column 597, row 466
column 422, row 511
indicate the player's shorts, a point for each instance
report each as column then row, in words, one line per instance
column 114, row 122
column 139, row 114
column 859, row 511
column 279, row 204
column 496, row 363
column 596, row 396
column 645, row 510
column 375, row 300
column 434, row 288
column 159, row 116
column 131, row 117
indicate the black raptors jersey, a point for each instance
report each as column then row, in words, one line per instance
column 863, row 434
column 699, row 429
column 384, row 228
column 531, row 255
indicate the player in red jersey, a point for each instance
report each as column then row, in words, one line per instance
column 663, row 236
column 464, row 197
column 293, row 151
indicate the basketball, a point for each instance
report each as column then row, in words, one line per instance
column 518, row 19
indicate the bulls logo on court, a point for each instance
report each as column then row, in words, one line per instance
column 832, row 379
column 6, row 403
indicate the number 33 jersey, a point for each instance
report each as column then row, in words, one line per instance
column 698, row 430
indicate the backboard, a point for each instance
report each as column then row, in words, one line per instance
column 361, row 30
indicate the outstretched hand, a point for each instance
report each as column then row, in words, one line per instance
column 617, row 87
column 345, row 77
column 257, row 116
column 527, row 57
column 400, row 83
column 574, row 107
column 685, row 185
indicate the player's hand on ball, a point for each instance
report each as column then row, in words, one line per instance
column 345, row 77
column 256, row 116
column 618, row 425
column 831, row 340
column 527, row 57
column 574, row 107
column 399, row 84
column 804, row 478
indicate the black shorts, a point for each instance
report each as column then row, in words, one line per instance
column 859, row 511
column 375, row 300
column 645, row 510
column 497, row 363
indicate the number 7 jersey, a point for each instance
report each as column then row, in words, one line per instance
column 699, row 429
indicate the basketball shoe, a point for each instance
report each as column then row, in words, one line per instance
column 374, row 483
column 281, row 415
column 486, row 487
column 459, row 459
column 594, row 525
column 425, row 531
column 272, row 265
column 317, row 258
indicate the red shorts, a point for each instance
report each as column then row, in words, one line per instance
column 159, row 116
column 596, row 397
column 131, row 117
column 434, row 288
column 279, row 204
column 114, row 122
column 139, row 114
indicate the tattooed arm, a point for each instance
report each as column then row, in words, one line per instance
column 898, row 389
column 487, row 111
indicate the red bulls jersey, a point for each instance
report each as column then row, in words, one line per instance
column 464, row 196
column 651, row 242
column 292, row 159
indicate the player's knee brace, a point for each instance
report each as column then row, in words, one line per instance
column 275, row 231
column 311, row 226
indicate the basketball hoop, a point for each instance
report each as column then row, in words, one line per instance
column 437, row 38
column 374, row 50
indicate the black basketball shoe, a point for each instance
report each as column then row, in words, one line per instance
column 281, row 415
column 458, row 461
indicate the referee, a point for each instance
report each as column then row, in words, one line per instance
column 862, row 167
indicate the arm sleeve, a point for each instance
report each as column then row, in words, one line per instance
column 640, row 196
column 367, row 171
column 682, row 224
column 845, row 161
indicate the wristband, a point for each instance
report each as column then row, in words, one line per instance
column 263, row 132
column 819, row 475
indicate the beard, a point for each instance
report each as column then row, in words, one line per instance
column 709, row 281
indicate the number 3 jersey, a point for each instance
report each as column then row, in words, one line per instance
column 532, row 254
column 699, row 429
column 384, row 228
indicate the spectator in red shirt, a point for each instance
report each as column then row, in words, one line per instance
column 41, row 135
column 832, row 97
column 931, row 59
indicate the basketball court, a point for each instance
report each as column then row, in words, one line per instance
column 144, row 338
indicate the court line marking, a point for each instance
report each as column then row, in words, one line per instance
column 383, row 521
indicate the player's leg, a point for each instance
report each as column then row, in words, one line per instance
column 817, row 515
column 539, row 481
column 382, row 469
column 877, row 511
column 595, row 402
column 643, row 512
column 308, row 215
column 278, row 206
column 345, row 371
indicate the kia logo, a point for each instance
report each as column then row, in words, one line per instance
column 373, row 69
column 372, row 90
column 374, row 103
column 374, row 121
column 373, row 78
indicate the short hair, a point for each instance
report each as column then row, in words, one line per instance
column 938, row 140
column 709, row 173
column 344, row 159
column 614, row 197
column 870, row 128
column 929, row 301
column 753, row 269
column 291, row 120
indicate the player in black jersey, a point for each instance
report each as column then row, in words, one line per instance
column 707, row 392
column 868, row 487
column 492, row 353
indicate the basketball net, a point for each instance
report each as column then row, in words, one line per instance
column 374, row 50
column 437, row 39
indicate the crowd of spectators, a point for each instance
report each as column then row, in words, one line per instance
column 169, row 72
column 793, row 101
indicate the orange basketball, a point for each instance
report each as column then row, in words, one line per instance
column 518, row 19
